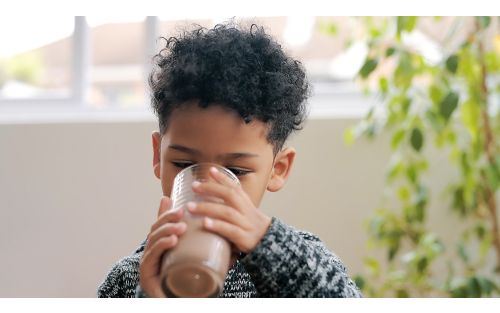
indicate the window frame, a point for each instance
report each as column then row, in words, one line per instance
column 59, row 108
column 80, row 69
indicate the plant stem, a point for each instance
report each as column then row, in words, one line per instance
column 489, row 149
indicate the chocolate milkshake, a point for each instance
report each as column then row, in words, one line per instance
column 197, row 265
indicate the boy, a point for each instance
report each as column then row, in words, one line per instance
column 232, row 97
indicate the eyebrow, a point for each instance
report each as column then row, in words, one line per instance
column 233, row 155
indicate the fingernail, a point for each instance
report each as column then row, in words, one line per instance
column 208, row 222
column 191, row 205
column 213, row 170
column 196, row 184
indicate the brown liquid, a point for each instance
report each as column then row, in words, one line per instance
column 197, row 265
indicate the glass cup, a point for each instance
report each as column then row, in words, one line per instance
column 198, row 264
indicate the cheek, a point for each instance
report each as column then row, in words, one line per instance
column 254, row 186
column 167, row 179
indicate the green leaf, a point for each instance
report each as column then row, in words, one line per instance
column 458, row 288
column 462, row 253
column 448, row 105
column 375, row 226
column 411, row 173
column 492, row 61
column 390, row 51
column 349, row 136
column 383, row 84
column 397, row 138
column 332, row 29
column 458, row 201
column 359, row 281
column 372, row 265
column 400, row 25
column 435, row 93
column 493, row 176
column 422, row 166
column 470, row 189
column 484, row 21
column 422, row 264
column 397, row 277
column 394, row 169
column 405, row 23
column 369, row 66
column 473, row 288
column 402, row 293
column 469, row 66
column 420, row 201
column 405, row 106
column 404, row 193
column 393, row 249
column 328, row 27
column 370, row 131
column 484, row 247
column 470, row 113
column 486, row 285
column 435, row 120
column 369, row 115
column 404, row 73
column 452, row 63
column 480, row 230
column 417, row 139
column 437, row 247
column 375, row 32
column 451, row 137
column 411, row 22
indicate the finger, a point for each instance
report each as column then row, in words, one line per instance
column 222, row 178
column 228, row 194
column 228, row 231
column 150, row 261
column 170, row 216
column 216, row 211
column 165, row 230
column 150, row 264
column 165, row 204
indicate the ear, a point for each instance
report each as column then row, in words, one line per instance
column 281, row 169
column 156, row 153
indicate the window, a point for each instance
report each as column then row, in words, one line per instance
column 117, row 66
column 36, row 58
column 90, row 64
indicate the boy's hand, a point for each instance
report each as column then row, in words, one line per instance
column 238, row 220
column 162, row 237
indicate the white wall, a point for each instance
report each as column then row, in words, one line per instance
column 76, row 197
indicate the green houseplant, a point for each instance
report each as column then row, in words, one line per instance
column 452, row 103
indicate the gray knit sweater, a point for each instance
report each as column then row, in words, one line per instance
column 286, row 263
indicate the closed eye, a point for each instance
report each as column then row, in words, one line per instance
column 238, row 171
column 235, row 170
column 182, row 164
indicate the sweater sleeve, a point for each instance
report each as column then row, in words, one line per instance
column 123, row 278
column 290, row 263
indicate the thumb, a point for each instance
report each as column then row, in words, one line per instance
column 165, row 204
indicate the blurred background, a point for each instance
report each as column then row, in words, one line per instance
column 77, row 190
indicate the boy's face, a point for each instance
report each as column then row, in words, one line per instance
column 217, row 135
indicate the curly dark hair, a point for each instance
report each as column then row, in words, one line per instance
column 245, row 70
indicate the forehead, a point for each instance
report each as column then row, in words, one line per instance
column 215, row 130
